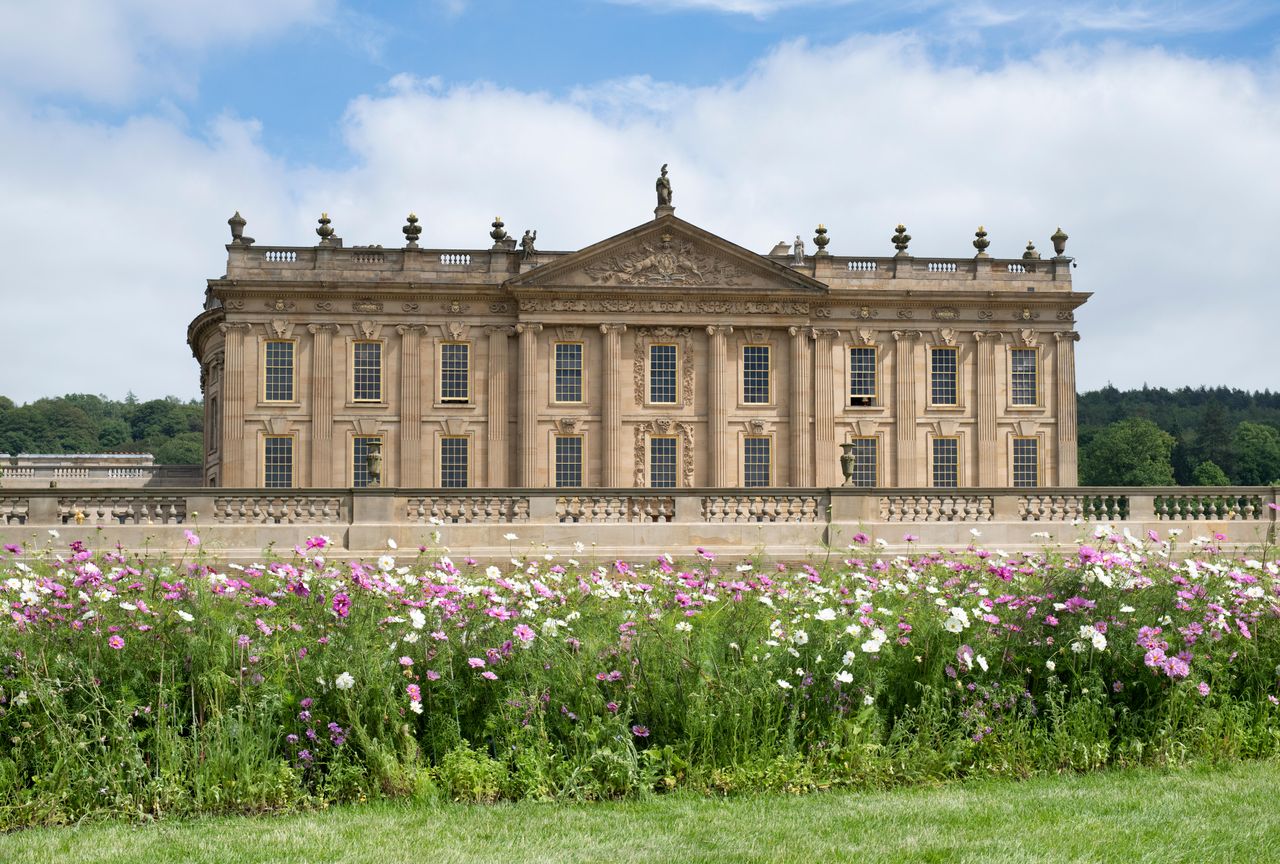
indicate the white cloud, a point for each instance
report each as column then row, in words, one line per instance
column 754, row 8
column 1159, row 166
column 112, row 50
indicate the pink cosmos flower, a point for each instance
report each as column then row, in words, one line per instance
column 116, row 642
column 433, row 675
column 415, row 693
column 1203, row 688
column 193, row 539
column 488, row 673
column 342, row 605
column 475, row 662
column 523, row 632
column 640, row 731
column 406, row 661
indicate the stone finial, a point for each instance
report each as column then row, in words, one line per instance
column 412, row 231
column 820, row 239
column 237, row 224
column 325, row 230
column 499, row 233
column 981, row 242
column 1031, row 254
column 1059, row 239
column 901, row 239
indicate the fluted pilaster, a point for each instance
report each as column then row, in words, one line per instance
column 499, row 412
column 611, row 415
column 988, row 409
column 233, row 402
column 322, row 404
column 825, row 449
column 411, row 404
column 904, row 408
column 1065, row 407
column 801, row 406
column 528, row 417
column 720, row 395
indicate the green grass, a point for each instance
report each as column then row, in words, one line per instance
column 1201, row 816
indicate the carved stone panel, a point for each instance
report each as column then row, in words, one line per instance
column 646, row 336
column 665, row 261
column 664, row 426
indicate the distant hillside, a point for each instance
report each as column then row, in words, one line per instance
column 170, row 429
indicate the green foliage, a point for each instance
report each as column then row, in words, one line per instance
column 168, row 428
column 1202, row 420
column 1133, row 452
column 1256, row 449
column 1209, row 474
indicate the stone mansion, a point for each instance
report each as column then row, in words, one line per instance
column 664, row 356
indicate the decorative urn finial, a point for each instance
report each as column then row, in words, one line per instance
column 237, row 224
column 981, row 243
column 412, row 231
column 901, row 239
column 325, row 230
column 1031, row 254
column 820, row 239
column 498, row 233
column 1059, row 239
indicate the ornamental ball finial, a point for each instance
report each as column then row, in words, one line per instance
column 326, row 229
column 498, row 233
column 901, row 239
column 1031, row 254
column 412, row 231
column 820, row 239
column 981, row 242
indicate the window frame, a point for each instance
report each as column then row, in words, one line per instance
column 555, row 372
column 440, row 461
column 674, row 402
column 441, row 399
column 675, row 461
column 874, row 399
column 875, row 465
column 292, row 438
column 293, row 372
column 1036, row 372
column 382, row 372
column 954, row 351
column 933, row 461
column 768, row 375
column 356, row 436
column 1013, row 462
column 556, row 438
column 769, row 465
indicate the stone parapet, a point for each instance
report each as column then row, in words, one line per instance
column 774, row 522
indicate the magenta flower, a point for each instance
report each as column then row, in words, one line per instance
column 415, row 693
column 193, row 539
column 488, row 673
column 1203, row 688
column 342, row 605
column 640, row 731
column 433, row 675
column 116, row 642
column 475, row 662
column 524, row 633
column 406, row 661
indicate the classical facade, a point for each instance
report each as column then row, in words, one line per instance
column 663, row 356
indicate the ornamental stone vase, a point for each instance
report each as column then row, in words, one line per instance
column 847, row 460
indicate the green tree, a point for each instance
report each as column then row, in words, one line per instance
column 1213, row 437
column 1256, row 448
column 1133, row 452
column 185, row 449
column 1209, row 474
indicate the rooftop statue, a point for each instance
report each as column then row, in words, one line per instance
column 664, row 188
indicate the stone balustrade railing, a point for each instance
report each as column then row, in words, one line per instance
column 628, row 521
column 105, row 477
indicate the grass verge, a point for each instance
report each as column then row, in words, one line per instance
column 1188, row 815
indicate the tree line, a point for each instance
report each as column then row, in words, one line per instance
column 1147, row 437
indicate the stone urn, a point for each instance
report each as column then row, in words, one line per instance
column 847, row 460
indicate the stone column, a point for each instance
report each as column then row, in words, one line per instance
column 499, row 413
column 720, row 395
column 801, row 404
column 904, row 408
column 410, row 405
column 322, row 404
column 1065, row 408
column 528, row 418
column 989, row 455
column 826, row 450
column 611, row 414
column 233, row 402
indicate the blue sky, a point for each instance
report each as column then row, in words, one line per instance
column 1149, row 130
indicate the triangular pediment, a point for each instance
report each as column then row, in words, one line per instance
column 667, row 255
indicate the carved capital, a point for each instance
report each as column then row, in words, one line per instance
column 500, row 330
column 906, row 335
column 528, row 327
column 228, row 326
column 406, row 329
column 1067, row 336
column 324, row 327
column 824, row 334
column 989, row 335
column 719, row 329
column 615, row 329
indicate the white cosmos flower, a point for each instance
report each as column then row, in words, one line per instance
column 1050, row 665
column 128, row 607
column 493, row 572
column 800, row 637
column 872, row 646
column 391, row 543
column 345, row 681
column 415, row 706
column 868, row 700
column 683, row 626
column 417, row 619
column 386, row 563
column 844, row 676
column 185, row 616
column 784, row 684
column 827, row 614
column 509, row 536
column 981, row 661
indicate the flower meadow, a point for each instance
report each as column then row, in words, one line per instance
column 141, row 687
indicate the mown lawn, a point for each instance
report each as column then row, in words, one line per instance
column 1227, row 815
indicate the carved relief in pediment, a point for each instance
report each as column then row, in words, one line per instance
column 665, row 261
